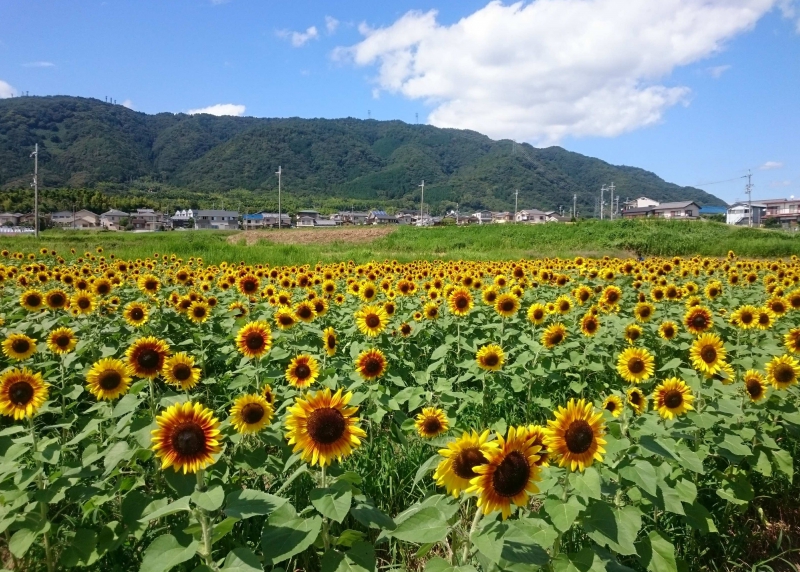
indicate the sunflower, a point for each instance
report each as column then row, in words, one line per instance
column 248, row 284
column 635, row 365
column 239, row 309
column 19, row 347
column 506, row 305
column 632, row 333
column 698, row 319
column 672, row 398
column 146, row 356
column 371, row 320
column 431, row 423
column 563, row 305
column 490, row 357
column 32, row 300
column 461, row 457
column 405, row 329
column 323, row 427
column 611, row 296
column 707, row 354
column 554, row 335
column 330, row 341
column 305, row 311
column 108, row 378
column 179, row 370
column 22, row 392
column 744, row 317
column 792, row 340
column 61, row 341
column 198, row 312
column 590, row 324
column 250, row 413
column 186, row 438
column 755, row 385
column 254, row 339
column 136, row 314
column 460, row 302
column 509, row 474
column 575, row 437
column 764, row 318
column 783, row 371
column 537, row 314
column 613, row 405
column 56, row 299
column 285, row 318
column 268, row 394
column 371, row 364
column 431, row 310
column 643, row 311
column 302, row 371
column 149, row 284
column 83, row 303
column 777, row 305
column 668, row 330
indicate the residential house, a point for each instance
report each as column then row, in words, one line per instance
column 27, row 219
column 152, row 220
column 639, row 203
column 502, row 217
column 483, row 217
column 305, row 221
column 9, row 219
column 265, row 220
column 381, row 217
column 216, row 219
column 311, row 213
column 82, row 219
column 424, row 220
column 787, row 211
column 554, row 216
column 531, row 216
column 350, row 217
column 405, row 218
column 111, row 219
column 183, row 219
column 739, row 213
column 677, row 210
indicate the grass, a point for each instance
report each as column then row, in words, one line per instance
column 497, row 242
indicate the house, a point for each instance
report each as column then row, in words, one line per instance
column 265, row 220
column 350, row 217
column 679, row 210
column 405, row 218
column 641, row 202
column 326, row 223
column 739, row 213
column 531, row 216
column 381, row 217
column 9, row 219
column 787, row 211
column 81, row 219
column 502, row 217
column 111, row 219
column 305, row 221
column 28, row 218
column 424, row 220
column 483, row 217
column 308, row 213
column 153, row 220
column 216, row 219
column 554, row 216
column 183, row 219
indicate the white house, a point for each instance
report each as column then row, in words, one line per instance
column 639, row 203
column 739, row 213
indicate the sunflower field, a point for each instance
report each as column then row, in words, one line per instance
column 550, row 414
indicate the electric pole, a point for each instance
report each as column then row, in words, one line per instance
column 456, row 214
column 421, row 202
column 278, row 172
column 749, row 188
column 574, row 206
column 602, row 190
column 35, row 186
column 611, row 210
column 516, row 200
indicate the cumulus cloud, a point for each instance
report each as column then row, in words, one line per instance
column 331, row 24
column 299, row 39
column 769, row 165
column 545, row 70
column 38, row 65
column 717, row 71
column 6, row 90
column 220, row 109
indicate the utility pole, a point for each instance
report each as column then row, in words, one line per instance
column 35, row 186
column 611, row 211
column 421, row 202
column 602, row 191
column 516, row 200
column 278, row 172
column 749, row 188
column 574, row 206
column 456, row 214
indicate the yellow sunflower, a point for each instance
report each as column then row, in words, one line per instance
column 56, row 299
column 765, row 318
column 305, row 311
column 32, row 300
column 672, row 398
column 136, row 314
column 643, row 311
column 371, row 364
column 268, row 394
column 537, row 314
column 575, row 437
column 783, row 371
column 61, row 341
column 108, row 378
column 22, row 392
column 187, row 437
column 460, row 302
column 744, row 317
column 668, row 330
column 539, row 435
column 461, row 456
column 405, row 329
column 330, row 341
column 590, row 324
column 322, row 427
column 635, row 365
column 285, row 318
column 431, row 422
column 792, row 340
column 250, row 413
column 199, row 311
column 554, row 335
column 509, row 474
column 490, row 357
column 149, row 284
column 755, row 385
column 698, row 319
column 506, row 305
column 431, row 311
column 146, row 356
column 371, row 320
column 632, row 333
column 302, row 371
column 707, row 354
column 613, row 404
column 83, row 303
column 254, row 339
column 179, row 370
column 637, row 400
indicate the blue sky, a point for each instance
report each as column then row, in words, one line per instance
column 696, row 91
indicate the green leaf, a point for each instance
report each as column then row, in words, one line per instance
column 489, row 540
column 360, row 558
column 737, row 490
column 371, row 517
column 643, row 474
column 280, row 542
column 125, row 405
column 166, row 552
column 21, row 541
column 182, row 483
column 248, row 503
column 179, row 505
column 671, row 364
column 333, row 503
column 117, row 452
column 441, row 565
column 210, row 499
column 657, row 553
column 242, row 560
column 426, row 525
column 562, row 514
column 440, row 352
column 698, row 517
column 584, row 561
column 784, row 462
column 426, row 467
column 587, row 484
column 616, row 528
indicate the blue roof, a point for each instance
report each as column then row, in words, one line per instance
column 713, row 210
column 258, row 216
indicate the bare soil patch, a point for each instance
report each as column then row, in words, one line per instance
column 351, row 235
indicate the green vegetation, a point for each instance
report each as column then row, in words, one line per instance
column 490, row 242
column 96, row 155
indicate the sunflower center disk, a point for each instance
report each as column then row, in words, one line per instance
column 461, row 303
column 302, row 371
column 182, row 372
column 149, row 359
column 189, row 439
column 34, row 301
column 508, row 306
column 708, row 354
column 137, row 314
column 466, row 461
column 673, row 399
column 699, row 321
column 62, row 341
column 20, row 346
column 511, row 475
column 331, row 342
column 110, row 380
column 579, row 436
column 254, row 341
column 556, row 338
column 373, row 321
column 784, row 373
column 326, row 426
column 754, row 388
column 372, row 366
column 83, row 303
column 636, row 365
column 432, row 425
column 492, row 360
column 252, row 413
column 57, row 300
column 20, row 393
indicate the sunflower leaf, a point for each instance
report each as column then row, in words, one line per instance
column 333, row 503
column 291, row 537
column 166, row 552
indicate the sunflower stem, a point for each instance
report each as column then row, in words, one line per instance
column 326, row 540
column 205, row 524
column 152, row 397
column 472, row 529
column 40, row 482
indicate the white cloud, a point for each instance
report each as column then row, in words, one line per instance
column 331, row 24
column 6, row 90
column 38, row 65
column 299, row 39
column 127, row 103
column 769, row 165
column 220, row 109
column 717, row 71
column 545, row 70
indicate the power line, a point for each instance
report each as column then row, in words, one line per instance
column 718, row 182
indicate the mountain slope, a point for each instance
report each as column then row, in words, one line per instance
column 86, row 142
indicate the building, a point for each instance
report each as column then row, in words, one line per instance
column 554, row 216
column 111, row 219
column 686, row 210
column 215, row 219
column 305, row 221
column 502, row 217
column 405, row 218
column 350, row 217
column 786, row 211
column 641, row 202
column 531, row 216
column 265, row 220
column 183, row 219
column 483, row 217
column 82, row 219
column 9, row 219
column 381, row 217
column 739, row 214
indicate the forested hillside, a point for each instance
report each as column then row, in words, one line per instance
column 114, row 155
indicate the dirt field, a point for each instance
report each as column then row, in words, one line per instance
column 350, row 235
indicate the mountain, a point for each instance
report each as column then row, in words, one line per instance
column 95, row 146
